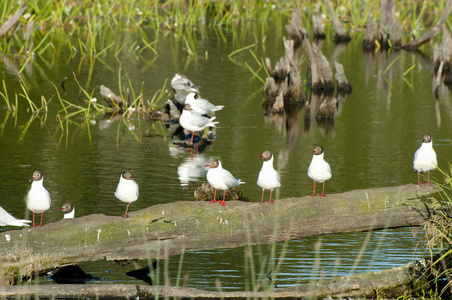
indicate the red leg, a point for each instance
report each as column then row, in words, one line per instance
column 223, row 202
column 262, row 200
column 34, row 220
column 192, row 135
column 418, row 174
column 270, row 200
column 126, row 215
column 214, row 197
column 313, row 191
column 323, row 191
column 40, row 224
column 428, row 179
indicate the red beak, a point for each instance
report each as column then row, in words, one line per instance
column 260, row 156
column 313, row 151
column 60, row 208
column 31, row 179
column 206, row 165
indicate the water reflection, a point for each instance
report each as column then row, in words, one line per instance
column 192, row 168
column 301, row 261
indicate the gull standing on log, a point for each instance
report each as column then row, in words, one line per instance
column 127, row 190
column 319, row 170
column 38, row 198
column 425, row 158
column 220, row 179
column 268, row 177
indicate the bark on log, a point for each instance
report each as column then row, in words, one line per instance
column 432, row 32
column 13, row 20
column 167, row 229
column 392, row 283
column 341, row 33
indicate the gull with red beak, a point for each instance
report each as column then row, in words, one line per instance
column 127, row 190
column 38, row 198
column 319, row 170
column 268, row 177
column 220, row 179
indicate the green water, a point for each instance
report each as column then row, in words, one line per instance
column 371, row 142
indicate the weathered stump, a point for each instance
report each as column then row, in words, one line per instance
column 321, row 74
column 370, row 34
column 341, row 34
column 285, row 83
column 443, row 52
column 342, row 84
column 317, row 26
column 390, row 35
column 294, row 29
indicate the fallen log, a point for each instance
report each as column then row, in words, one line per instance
column 432, row 32
column 165, row 230
column 391, row 283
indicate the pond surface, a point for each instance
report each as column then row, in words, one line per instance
column 371, row 142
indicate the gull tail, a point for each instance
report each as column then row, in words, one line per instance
column 218, row 107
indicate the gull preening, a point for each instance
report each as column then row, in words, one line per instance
column 182, row 86
column 127, row 190
column 201, row 106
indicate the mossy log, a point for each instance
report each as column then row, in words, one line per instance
column 168, row 229
column 388, row 283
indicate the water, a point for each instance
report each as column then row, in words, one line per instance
column 370, row 144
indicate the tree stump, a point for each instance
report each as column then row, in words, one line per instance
column 341, row 33
column 370, row 34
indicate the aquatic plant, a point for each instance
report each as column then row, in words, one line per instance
column 438, row 234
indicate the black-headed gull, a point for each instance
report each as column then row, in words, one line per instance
column 182, row 86
column 220, row 179
column 193, row 121
column 38, row 198
column 8, row 220
column 268, row 177
column 319, row 170
column 200, row 105
column 127, row 190
column 425, row 158
column 69, row 210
